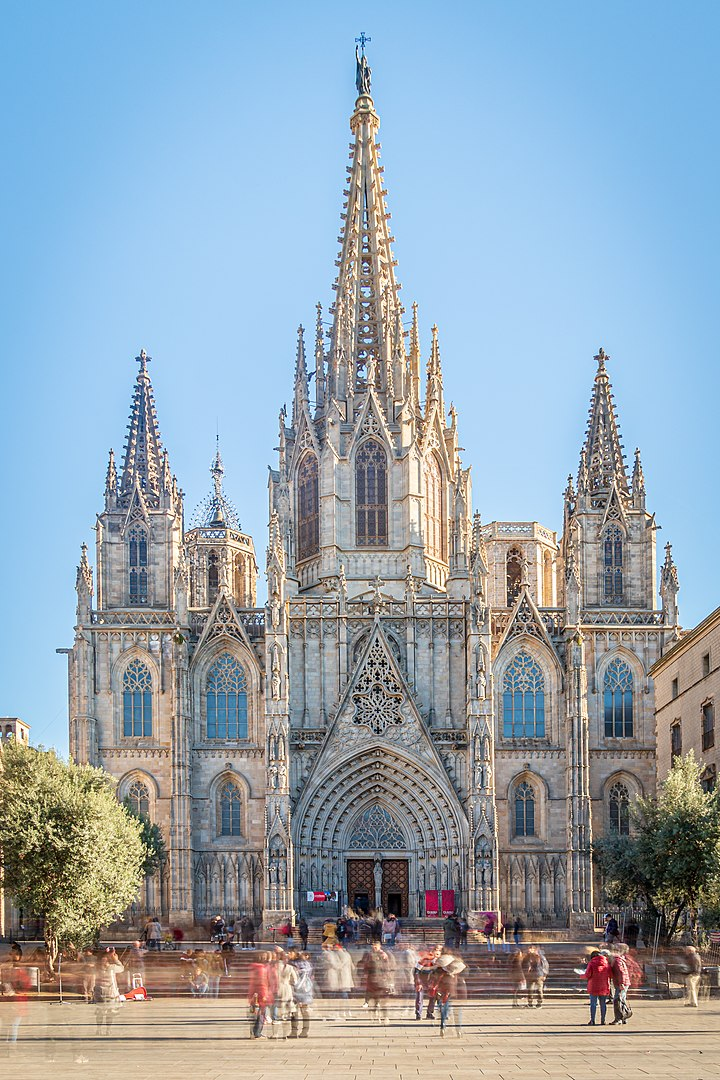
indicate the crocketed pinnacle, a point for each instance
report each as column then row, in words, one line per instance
column 602, row 464
column 367, row 309
column 143, row 463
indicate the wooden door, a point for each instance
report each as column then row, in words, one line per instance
column 360, row 884
column 395, row 887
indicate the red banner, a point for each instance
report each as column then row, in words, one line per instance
column 448, row 901
column 432, row 909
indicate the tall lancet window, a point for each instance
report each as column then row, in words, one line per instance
column 513, row 574
column 434, row 509
column 226, row 701
column 618, row 700
column 308, row 507
column 137, row 700
column 137, row 563
column 371, row 499
column 619, row 809
column 524, row 699
column 213, row 576
column 612, row 565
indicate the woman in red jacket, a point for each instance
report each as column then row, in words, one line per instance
column 598, row 973
column 260, row 993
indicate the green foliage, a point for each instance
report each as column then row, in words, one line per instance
column 671, row 861
column 152, row 840
column 70, row 852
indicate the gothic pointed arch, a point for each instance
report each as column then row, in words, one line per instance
column 307, row 485
column 371, row 494
column 435, row 510
column 135, row 682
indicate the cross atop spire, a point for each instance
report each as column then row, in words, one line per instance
column 602, row 464
column 143, row 464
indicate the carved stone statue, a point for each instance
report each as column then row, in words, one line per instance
column 378, row 875
column 362, row 73
column 275, row 672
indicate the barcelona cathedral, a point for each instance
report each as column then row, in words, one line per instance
column 427, row 705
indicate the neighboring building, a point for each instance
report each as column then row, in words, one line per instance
column 424, row 703
column 687, row 694
column 11, row 727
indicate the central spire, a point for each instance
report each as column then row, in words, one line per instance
column 367, row 313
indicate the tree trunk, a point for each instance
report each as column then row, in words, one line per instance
column 52, row 947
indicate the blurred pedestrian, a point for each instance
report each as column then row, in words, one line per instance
column 303, row 996
column 693, row 972
column 621, row 983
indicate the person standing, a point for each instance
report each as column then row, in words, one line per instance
column 693, row 973
column 422, row 977
column 153, row 933
column 303, row 996
column 448, row 969
column 345, row 978
column 597, row 974
column 15, row 985
column 105, row 991
column 378, row 980
column 532, row 967
column 517, row 977
column 621, row 984
column 260, row 996
column 303, row 931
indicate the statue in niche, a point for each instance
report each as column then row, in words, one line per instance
column 378, row 875
column 433, row 877
column 275, row 672
column 480, row 675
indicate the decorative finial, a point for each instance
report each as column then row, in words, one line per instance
column 362, row 68
column 600, row 358
column 143, row 360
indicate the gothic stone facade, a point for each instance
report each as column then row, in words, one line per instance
column 425, row 702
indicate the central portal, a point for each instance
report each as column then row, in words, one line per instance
column 364, row 883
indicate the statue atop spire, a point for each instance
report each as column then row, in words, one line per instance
column 362, row 68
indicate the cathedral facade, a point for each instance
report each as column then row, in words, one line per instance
column 426, row 704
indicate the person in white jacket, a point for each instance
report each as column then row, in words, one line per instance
column 106, row 995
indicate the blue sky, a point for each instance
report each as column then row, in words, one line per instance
column 172, row 179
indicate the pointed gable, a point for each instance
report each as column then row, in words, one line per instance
column 526, row 621
column 222, row 622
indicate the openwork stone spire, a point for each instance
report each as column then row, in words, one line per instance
column 216, row 511
column 367, row 309
column 143, row 463
column 602, row 464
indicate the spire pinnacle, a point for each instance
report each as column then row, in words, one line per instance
column 602, row 459
column 216, row 511
column 143, row 464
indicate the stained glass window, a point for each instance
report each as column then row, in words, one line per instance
column 230, row 805
column 137, row 700
column 138, row 798
column 524, row 699
column 524, row 810
column 308, row 532
column 226, row 700
column 619, row 809
column 618, row 700
column 137, row 562
column 371, row 495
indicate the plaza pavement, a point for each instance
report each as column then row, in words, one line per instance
column 187, row 1039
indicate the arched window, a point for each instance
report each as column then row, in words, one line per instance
column 513, row 574
column 138, row 798
column 612, row 565
column 226, row 700
column 434, row 509
column 618, row 686
column 524, row 699
column 619, row 800
column 213, row 576
column 308, row 507
column 371, row 495
column 524, row 810
column 137, row 563
column 230, row 809
column 137, row 700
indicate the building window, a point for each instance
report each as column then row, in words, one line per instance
column 612, row 565
column 371, row 495
column 676, row 740
column 524, row 699
column 213, row 576
column 138, row 798
column 618, row 700
column 230, row 806
column 308, row 531
column 434, row 510
column 708, row 780
column 674, row 688
column 513, row 574
column 706, row 665
column 524, row 810
column 619, row 810
column 137, row 700
column 226, row 700
column 137, row 562
column 708, row 725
